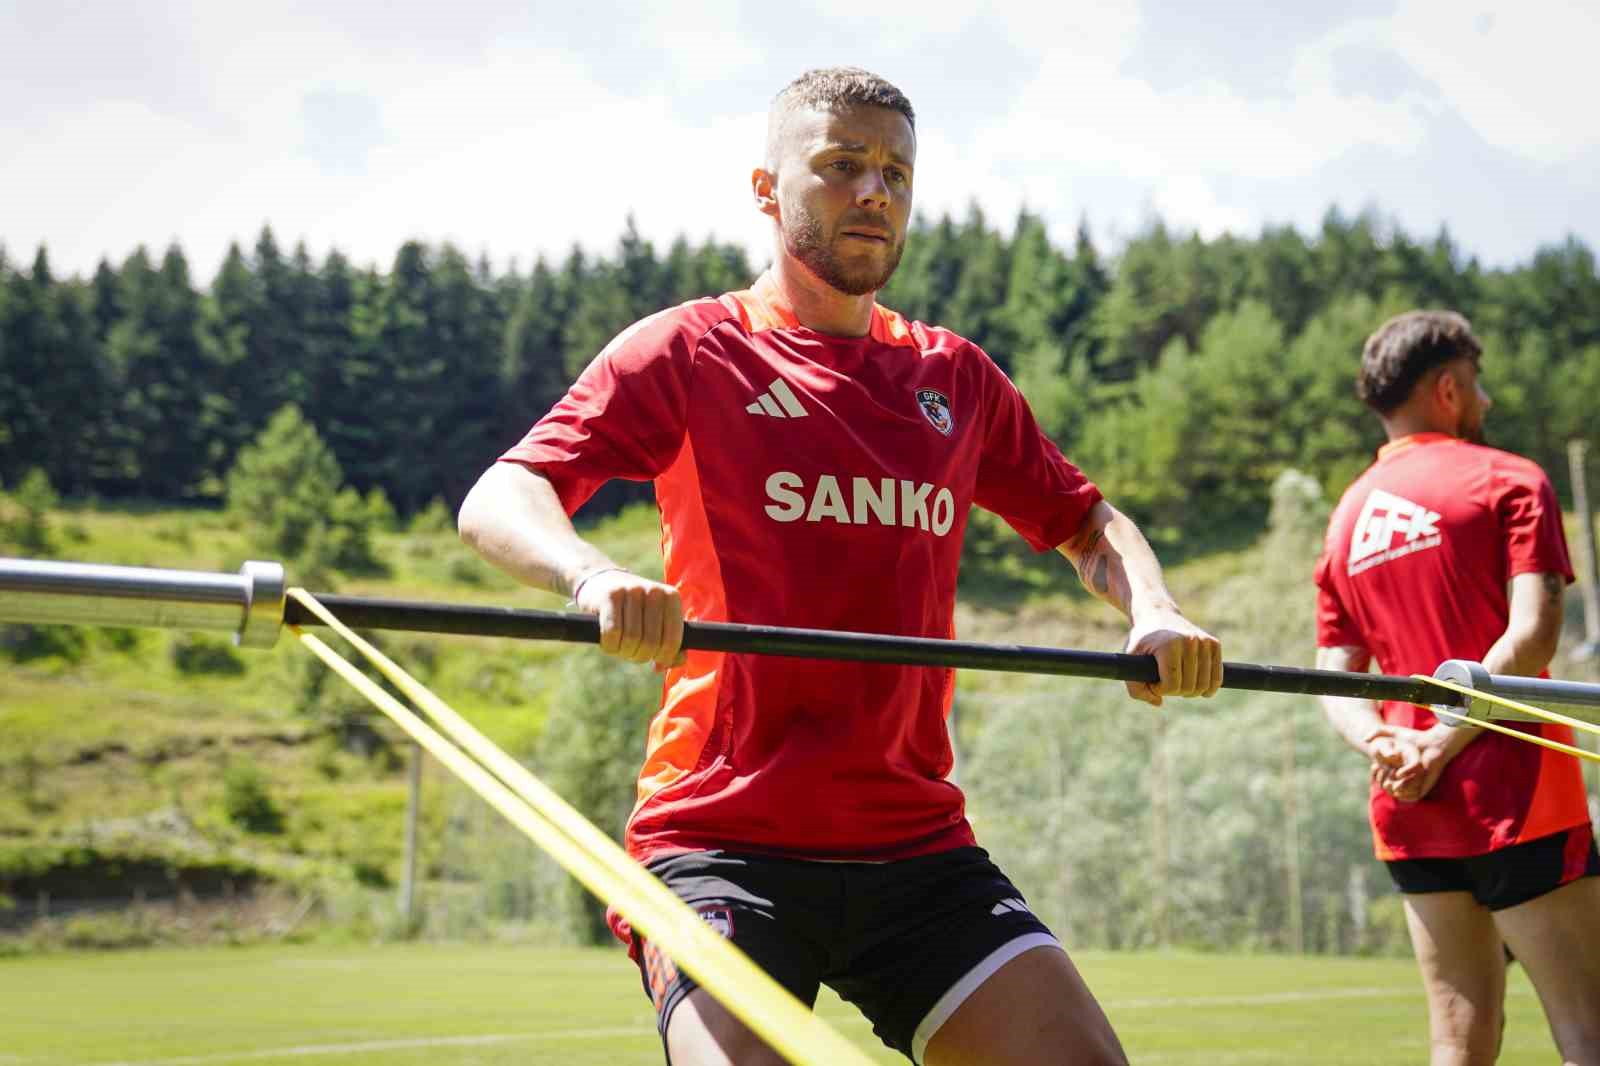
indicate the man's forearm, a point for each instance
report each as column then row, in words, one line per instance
column 514, row 519
column 1353, row 720
column 1524, row 652
column 1524, row 649
column 1116, row 564
column 1533, row 626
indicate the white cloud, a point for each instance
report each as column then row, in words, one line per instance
column 1517, row 74
column 934, row 20
column 708, row 45
column 1085, row 124
column 533, row 173
column 503, row 140
column 1522, row 74
column 520, row 152
column 1085, row 112
column 1189, row 202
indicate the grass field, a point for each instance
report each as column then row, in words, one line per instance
column 495, row 1006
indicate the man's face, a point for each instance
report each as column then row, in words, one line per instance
column 843, row 193
column 1472, row 401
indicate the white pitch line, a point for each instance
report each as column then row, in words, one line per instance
column 1261, row 999
column 487, row 1039
column 308, row 1050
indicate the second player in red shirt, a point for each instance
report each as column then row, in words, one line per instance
column 1447, row 549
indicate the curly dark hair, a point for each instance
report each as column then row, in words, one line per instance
column 1405, row 348
column 832, row 88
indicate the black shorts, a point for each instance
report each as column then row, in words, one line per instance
column 906, row 941
column 1506, row 877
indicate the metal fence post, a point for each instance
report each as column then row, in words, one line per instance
column 408, row 877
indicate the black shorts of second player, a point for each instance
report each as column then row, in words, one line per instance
column 1506, row 877
column 906, row 941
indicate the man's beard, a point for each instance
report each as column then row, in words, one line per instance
column 803, row 239
column 1471, row 432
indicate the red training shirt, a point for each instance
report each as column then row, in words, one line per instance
column 1415, row 567
column 814, row 481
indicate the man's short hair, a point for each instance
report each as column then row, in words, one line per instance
column 1405, row 348
column 833, row 89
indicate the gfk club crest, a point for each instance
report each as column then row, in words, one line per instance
column 937, row 410
column 718, row 917
column 661, row 972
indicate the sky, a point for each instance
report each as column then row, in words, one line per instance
column 516, row 129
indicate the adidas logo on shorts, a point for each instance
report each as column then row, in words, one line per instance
column 1010, row 906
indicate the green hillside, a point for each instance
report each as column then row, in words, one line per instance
column 155, row 744
column 255, row 790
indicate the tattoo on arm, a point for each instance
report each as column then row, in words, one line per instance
column 1094, row 566
column 1101, row 584
column 1087, row 556
column 1554, row 586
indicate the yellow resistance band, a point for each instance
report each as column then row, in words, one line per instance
column 592, row 857
column 1535, row 712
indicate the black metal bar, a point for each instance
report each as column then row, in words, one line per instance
column 363, row 612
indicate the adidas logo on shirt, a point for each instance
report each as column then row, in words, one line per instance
column 1384, row 517
column 1010, row 906
column 779, row 401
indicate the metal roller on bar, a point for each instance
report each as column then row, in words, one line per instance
column 1576, row 700
column 248, row 604
column 253, row 607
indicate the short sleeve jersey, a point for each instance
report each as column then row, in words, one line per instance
column 813, row 481
column 1415, row 570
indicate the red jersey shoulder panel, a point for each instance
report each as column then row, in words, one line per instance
column 687, row 322
column 1531, row 515
column 589, row 437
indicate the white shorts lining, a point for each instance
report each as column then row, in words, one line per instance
column 958, row 993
